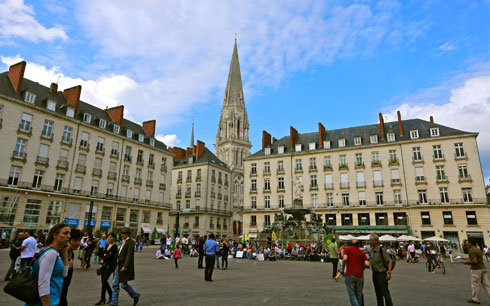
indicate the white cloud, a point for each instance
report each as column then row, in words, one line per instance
column 467, row 109
column 169, row 140
column 17, row 20
column 446, row 47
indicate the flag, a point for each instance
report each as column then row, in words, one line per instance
column 274, row 237
column 283, row 245
column 243, row 238
column 328, row 240
column 247, row 237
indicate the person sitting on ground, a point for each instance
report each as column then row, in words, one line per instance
column 272, row 254
column 159, row 254
column 168, row 254
column 193, row 252
column 294, row 254
column 302, row 254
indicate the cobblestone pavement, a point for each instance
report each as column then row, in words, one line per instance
column 270, row 283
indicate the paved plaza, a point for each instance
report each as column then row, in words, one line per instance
column 249, row 282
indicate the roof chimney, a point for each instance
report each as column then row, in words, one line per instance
column 293, row 136
column 16, row 75
column 149, row 127
column 400, row 128
column 200, row 149
column 321, row 134
column 53, row 89
column 266, row 140
column 382, row 126
column 116, row 114
column 274, row 139
column 431, row 119
column 72, row 96
column 179, row 153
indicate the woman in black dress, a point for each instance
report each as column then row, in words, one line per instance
column 109, row 264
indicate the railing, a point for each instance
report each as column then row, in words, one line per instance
column 327, row 168
column 313, row 187
column 252, row 190
column 442, row 179
column 280, row 189
column 226, row 197
column 188, row 194
column 213, row 194
column 195, row 225
column 344, row 184
column 151, row 165
column 417, row 160
column 100, row 150
column 377, row 183
column 213, row 179
column 420, row 180
column 197, row 194
column 266, row 190
column 149, row 183
column 163, row 168
column 438, row 158
column 220, row 181
column 48, row 137
column 361, row 184
column 198, row 178
column 359, row 165
column 137, row 180
column 344, row 166
column 62, row 164
column 328, row 186
column 460, row 157
column 312, row 169
column 393, row 162
column 97, row 172
column 84, row 145
column 465, row 179
column 395, row 182
column 127, row 158
column 18, row 155
column 66, row 141
column 376, row 164
column 111, row 175
column 201, row 210
column 162, row 186
column 178, row 196
column 114, row 153
column 41, row 160
column 253, row 173
column 280, row 171
column 125, row 178
column 25, row 129
column 81, row 168
column 188, row 179
column 140, row 162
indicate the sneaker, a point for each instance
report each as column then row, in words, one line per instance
column 472, row 302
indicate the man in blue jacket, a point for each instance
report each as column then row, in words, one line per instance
column 211, row 249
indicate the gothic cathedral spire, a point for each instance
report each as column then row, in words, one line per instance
column 232, row 142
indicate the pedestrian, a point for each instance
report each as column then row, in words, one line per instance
column 381, row 266
column 478, row 271
column 211, row 248
column 27, row 249
column 411, row 251
column 334, row 256
column 224, row 255
column 200, row 250
column 103, row 242
column 89, row 249
column 51, row 266
column 109, row 254
column 430, row 256
column 486, row 252
column 124, row 270
column 81, row 250
column 176, row 254
column 354, row 262
column 14, row 254
column 218, row 254
column 169, row 241
column 73, row 245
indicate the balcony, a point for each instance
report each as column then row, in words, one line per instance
column 198, row 178
column 396, row 182
column 225, row 198
column 81, row 169
column 178, row 196
column 312, row 169
column 328, row 186
column 163, row 168
column 188, row 179
column 197, row 194
column 465, row 179
column 111, row 175
column 18, row 155
column 195, row 225
column 179, row 180
column 149, row 183
column 100, row 150
column 84, row 145
column 48, row 137
column 66, row 141
column 220, row 196
column 377, row 183
column 298, row 170
column 253, row 173
column 115, row 154
column 127, row 158
column 211, row 225
column 218, row 226
column 343, row 167
column 393, row 162
column 97, row 172
column 420, row 180
column 25, row 129
column 213, row 179
column 253, row 190
column 376, row 164
column 220, row 181
column 460, row 157
column 62, row 164
column 313, row 187
column 140, row 162
column 151, row 165
column 186, row 225
column 359, row 165
column 162, row 186
column 159, row 221
column 280, row 189
column 188, row 194
column 438, row 158
column 266, row 190
column 213, row 194
column 137, row 180
column 418, row 160
column 344, row 185
column 327, row 168
column 280, row 171
column 361, row 184
column 442, row 179
column 42, row 161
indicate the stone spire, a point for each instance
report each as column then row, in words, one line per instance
column 234, row 89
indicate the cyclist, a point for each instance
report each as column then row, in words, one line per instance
column 430, row 253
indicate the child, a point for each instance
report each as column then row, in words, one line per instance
column 176, row 255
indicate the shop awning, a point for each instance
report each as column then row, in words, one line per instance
column 146, row 229
column 160, row 230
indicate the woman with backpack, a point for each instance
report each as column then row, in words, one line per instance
column 51, row 265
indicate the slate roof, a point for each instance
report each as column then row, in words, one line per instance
column 206, row 157
column 364, row 132
column 42, row 95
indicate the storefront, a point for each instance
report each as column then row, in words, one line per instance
column 478, row 237
column 453, row 238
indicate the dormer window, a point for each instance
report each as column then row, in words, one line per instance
column 87, row 118
column 29, row 97
column 280, row 150
column 116, row 128
column 373, row 138
column 297, row 147
column 434, row 132
column 341, row 143
column 390, row 137
column 267, row 151
column 312, row 145
column 152, row 142
column 70, row 112
column 129, row 134
column 51, row 105
column 141, row 137
column 357, row 141
column 414, row 134
column 327, row 144
column 102, row 123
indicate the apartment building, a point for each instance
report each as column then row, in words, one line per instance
column 61, row 155
column 200, row 192
column 406, row 177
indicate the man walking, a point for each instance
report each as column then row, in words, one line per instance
column 478, row 272
column 201, row 251
column 27, row 249
column 211, row 249
column 124, row 271
column 334, row 256
column 355, row 261
column 381, row 265
column 14, row 253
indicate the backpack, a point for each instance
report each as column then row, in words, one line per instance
column 392, row 257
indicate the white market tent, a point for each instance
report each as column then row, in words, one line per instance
column 387, row 238
column 365, row 237
column 436, row 239
column 346, row 237
column 407, row 238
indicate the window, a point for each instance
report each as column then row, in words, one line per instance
column 38, row 178
column 95, row 187
column 77, row 186
column 58, row 182
column 345, row 199
column 331, row 219
column 395, row 176
column 422, row 196
column 152, row 142
column 87, row 118
column 280, row 183
column 146, row 217
column 267, row 151
column 267, row 167
column 32, row 212
column 129, row 133
column 67, row 134
column 14, row 175
column 313, row 163
column 138, row 173
column 417, row 155
column 98, row 163
column 84, row 140
column 254, row 202
column 373, row 139
column 297, row 147
column 327, row 144
column 102, row 123
column 390, row 137
column 414, row 134
column 136, row 194
column 375, row 156
column 393, row 157
column 254, row 185
column 346, row 219
column 281, row 201
column 341, row 143
column 400, row 218
column 70, row 112
column 267, row 202
column 8, row 209
column 20, row 148
column 29, row 97
column 360, row 180
column 379, row 197
column 106, row 213
column 312, row 146
column 299, row 166
column 434, row 132
column 124, row 191
column 253, row 168
column 53, row 214
column 280, row 150
column 139, row 158
column 313, row 181
column 363, row 219
column 133, row 215
column 329, row 199
column 437, row 152
column 419, row 174
column 342, row 160
column 110, row 189
column 327, row 161
column 397, row 196
column 467, row 195
column 441, row 173
column 471, row 218
column 121, row 214
column 447, row 216
column 314, row 200
column 425, row 215
column 127, row 153
column 280, row 166
column 100, row 144
column 25, row 123
column 463, row 171
column 344, row 180
column 51, row 105
column 116, row 128
column 381, row 218
column 359, row 161
column 362, row 198
column 267, row 185
column 458, row 147
column 253, row 220
column 378, row 180
column 141, row 137
column 357, row 141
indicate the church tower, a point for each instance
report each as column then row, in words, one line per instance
column 232, row 142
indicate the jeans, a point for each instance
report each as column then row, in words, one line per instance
column 217, row 261
column 176, row 262
column 381, row 289
column 11, row 271
column 208, row 272
column 115, row 288
column 354, row 286
column 199, row 261
column 335, row 262
column 224, row 259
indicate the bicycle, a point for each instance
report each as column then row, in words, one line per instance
column 436, row 264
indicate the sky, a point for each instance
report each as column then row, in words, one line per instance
column 302, row 62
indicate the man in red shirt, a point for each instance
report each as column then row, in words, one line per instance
column 353, row 265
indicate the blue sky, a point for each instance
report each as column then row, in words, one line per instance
column 335, row 62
